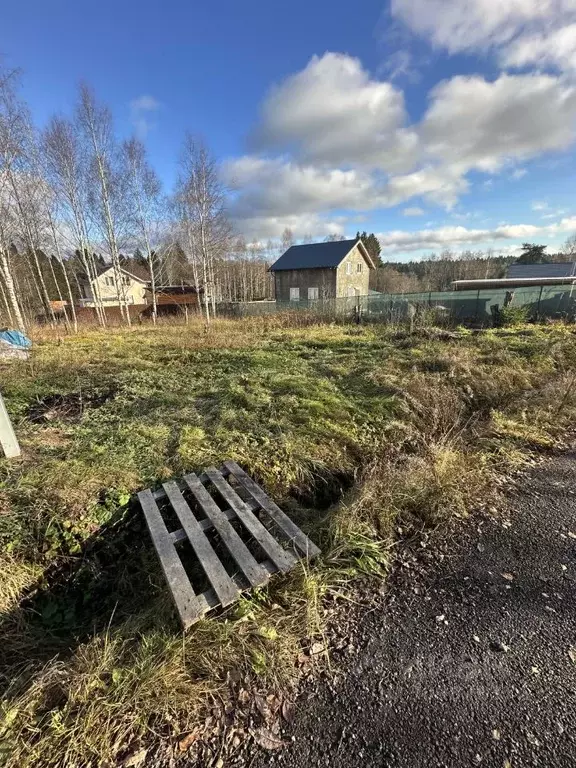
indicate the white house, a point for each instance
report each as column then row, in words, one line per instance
column 133, row 288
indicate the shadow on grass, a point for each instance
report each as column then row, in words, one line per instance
column 116, row 576
column 114, row 583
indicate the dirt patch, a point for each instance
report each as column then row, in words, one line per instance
column 68, row 407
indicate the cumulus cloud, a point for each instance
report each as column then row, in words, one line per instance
column 521, row 32
column 556, row 48
column 333, row 112
column 333, row 139
column 281, row 187
column 413, row 212
column 475, row 123
column 442, row 237
column 142, row 110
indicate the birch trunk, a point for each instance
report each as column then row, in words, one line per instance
column 10, row 290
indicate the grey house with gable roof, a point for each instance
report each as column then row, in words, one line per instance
column 322, row 271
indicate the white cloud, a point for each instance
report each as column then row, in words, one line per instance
column 333, row 139
column 141, row 111
column 403, row 241
column 265, row 227
column 333, row 112
column 413, row 212
column 556, row 48
column 281, row 187
column 473, row 123
column 437, row 184
column 520, row 31
column 539, row 205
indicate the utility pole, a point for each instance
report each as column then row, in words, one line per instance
column 8, row 439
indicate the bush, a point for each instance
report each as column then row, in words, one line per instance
column 511, row 317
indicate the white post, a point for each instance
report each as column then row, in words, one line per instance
column 8, row 439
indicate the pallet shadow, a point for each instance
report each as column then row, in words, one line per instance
column 115, row 578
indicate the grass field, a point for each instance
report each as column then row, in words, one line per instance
column 354, row 430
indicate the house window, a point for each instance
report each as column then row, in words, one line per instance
column 109, row 281
column 126, row 281
column 312, row 293
column 349, row 268
column 359, row 267
column 294, row 294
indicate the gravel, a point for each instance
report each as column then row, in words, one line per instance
column 469, row 659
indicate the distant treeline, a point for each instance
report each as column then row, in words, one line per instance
column 437, row 272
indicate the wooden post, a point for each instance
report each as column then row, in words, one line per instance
column 8, row 439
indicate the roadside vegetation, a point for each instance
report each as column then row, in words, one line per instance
column 357, row 432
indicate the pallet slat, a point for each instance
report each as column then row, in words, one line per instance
column 255, row 574
column 283, row 559
column 218, row 577
column 289, row 529
column 187, row 604
column 224, row 588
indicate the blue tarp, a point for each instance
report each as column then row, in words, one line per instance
column 15, row 339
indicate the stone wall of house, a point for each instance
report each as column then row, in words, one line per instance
column 303, row 279
column 351, row 281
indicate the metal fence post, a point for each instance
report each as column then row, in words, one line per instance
column 8, row 439
column 539, row 300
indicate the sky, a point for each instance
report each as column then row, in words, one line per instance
column 433, row 123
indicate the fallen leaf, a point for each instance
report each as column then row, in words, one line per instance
column 507, row 576
column 288, row 711
column 317, row 648
column 266, row 739
column 262, row 707
column 476, row 638
column 440, row 618
column 496, row 734
column 189, row 739
column 135, row 759
column 243, row 696
column 572, row 535
column 273, row 702
column 572, row 654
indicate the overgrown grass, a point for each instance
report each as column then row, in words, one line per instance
column 354, row 430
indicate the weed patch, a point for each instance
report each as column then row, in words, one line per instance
column 357, row 431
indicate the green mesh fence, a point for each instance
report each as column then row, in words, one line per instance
column 467, row 307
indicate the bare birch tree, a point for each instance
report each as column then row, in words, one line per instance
column 200, row 198
column 8, row 151
column 144, row 197
column 22, row 180
column 67, row 174
column 106, row 184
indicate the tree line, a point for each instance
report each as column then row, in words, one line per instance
column 73, row 191
column 437, row 272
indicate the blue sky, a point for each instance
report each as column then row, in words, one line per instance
column 435, row 123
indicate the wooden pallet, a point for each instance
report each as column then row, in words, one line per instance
column 250, row 523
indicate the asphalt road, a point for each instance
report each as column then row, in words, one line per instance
column 471, row 658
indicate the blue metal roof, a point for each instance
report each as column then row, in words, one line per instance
column 314, row 255
column 541, row 270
